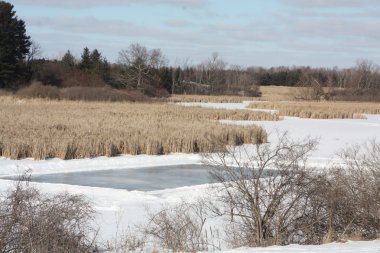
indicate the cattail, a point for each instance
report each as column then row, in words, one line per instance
column 321, row 110
column 70, row 130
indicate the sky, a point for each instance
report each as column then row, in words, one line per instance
column 317, row 33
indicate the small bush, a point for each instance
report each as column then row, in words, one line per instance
column 179, row 228
column 35, row 222
column 38, row 90
column 346, row 200
column 99, row 94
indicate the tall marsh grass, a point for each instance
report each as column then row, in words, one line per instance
column 321, row 110
column 209, row 99
column 71, row 129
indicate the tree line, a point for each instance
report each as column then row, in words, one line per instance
column 148, row 70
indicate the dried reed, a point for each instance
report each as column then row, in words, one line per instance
column 321, row 110
column 209, row 99
column 71, row 129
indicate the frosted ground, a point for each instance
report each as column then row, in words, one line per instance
column 118, row 209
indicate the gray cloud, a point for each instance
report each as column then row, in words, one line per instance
column 95, row 3
column 178, row 23
column 123, row 29
column 329, row 3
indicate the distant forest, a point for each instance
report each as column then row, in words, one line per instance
column 147, row 71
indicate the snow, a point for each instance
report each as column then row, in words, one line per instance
column 119, row 209
column 348, row 247
column 333, row 134
column 229, row 106
column 14, row 167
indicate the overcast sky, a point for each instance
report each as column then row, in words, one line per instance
column 266, row 33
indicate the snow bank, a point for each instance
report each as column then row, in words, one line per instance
column 348, row 247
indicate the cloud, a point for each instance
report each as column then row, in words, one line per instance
column 96, row 3
column 125, row 30
column 178, row 23
column 329, row 3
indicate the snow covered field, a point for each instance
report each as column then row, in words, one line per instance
column 118, row 209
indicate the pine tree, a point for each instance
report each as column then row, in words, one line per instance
column 99, row 65
column 68, row 60
column 85, row 59
column 14, row 45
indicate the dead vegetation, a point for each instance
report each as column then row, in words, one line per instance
column 277, row 93
column 80, row 93
column 35, row 222
column 321, row 110
column 272, row 197
column 180, row 228
column 209, row 99
column 66, row 129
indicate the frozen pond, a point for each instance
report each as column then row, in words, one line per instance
column 142, row 179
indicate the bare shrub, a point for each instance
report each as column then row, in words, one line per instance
column 35, row 222
column 98, row 94
column 346, row 203
column 312, row 92
column 263, row 190
column 179, row 228
column 38, row 90
column 128, row 241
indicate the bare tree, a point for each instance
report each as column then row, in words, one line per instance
column 365, row 74
column 140, row 61
column 263, row 190
column 215, row 70
column 34, row 51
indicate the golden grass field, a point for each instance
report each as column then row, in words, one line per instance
column 269, row 93
column 320, row 110
column 66, row 129
column 277, row 93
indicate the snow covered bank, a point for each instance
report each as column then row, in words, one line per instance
column 333, row 134
column 15, row 167
column 229, row 106
column 348, row 247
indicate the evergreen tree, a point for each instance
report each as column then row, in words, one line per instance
column 166, row 78
column 68, row 60
column 86, row 59
column 99, row 65
column 95, row 57
column 14, row 45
